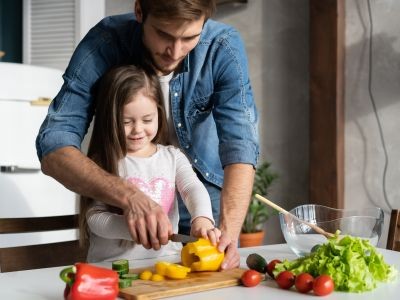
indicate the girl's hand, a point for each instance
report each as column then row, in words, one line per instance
column 203, row 227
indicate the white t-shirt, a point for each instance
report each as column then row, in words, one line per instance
column 158, row 176
column 164, row 83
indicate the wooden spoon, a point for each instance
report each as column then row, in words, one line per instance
column 285, row 212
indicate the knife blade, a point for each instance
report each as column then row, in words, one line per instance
column 177, row 237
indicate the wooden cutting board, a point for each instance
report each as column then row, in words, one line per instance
column 195, row 282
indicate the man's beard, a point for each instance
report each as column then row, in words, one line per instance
column 149, row 62
column 146, row 61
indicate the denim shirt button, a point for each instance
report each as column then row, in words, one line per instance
column 187, row 146
column 176, row 94
column 179, row 125
column 195, row 160
column 207, row 174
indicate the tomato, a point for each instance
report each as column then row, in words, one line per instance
column 323, row 285
column 271, row 267
column 304, row 282
column 251, row 278
column 285, row 279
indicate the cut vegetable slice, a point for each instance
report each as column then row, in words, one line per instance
column 131, row 276
column 121, row 266
column 124, row 283
column 146, row 275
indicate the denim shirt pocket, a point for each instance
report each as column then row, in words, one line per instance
column 199, row 110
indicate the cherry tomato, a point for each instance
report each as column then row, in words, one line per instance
column 285, row 279
column 271, row 267
column 304, row 282
column 251, row 278
column 323, row 285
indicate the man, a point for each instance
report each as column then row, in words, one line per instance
column 202, row 68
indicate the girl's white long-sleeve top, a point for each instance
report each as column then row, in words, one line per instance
column 158, row 176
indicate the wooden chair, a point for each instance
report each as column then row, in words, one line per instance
column 42, row 255
column 393, row 241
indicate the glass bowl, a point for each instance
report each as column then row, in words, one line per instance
column 365, row 223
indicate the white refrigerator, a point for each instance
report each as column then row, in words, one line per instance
column 24, row 190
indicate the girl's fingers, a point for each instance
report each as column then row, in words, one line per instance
column 204, row 233
column 217, row 234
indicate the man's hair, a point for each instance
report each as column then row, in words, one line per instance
column 177, row 9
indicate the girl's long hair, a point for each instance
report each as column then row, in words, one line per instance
column 108, row 145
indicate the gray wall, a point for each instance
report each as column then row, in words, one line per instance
column 116, row 7
column 277, row 45
column 276, row 36
column 364, row 151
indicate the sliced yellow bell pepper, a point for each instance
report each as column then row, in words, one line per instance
column 157, row 277
column 161, row 267
column 145, row 275
column 201, row 256
column 171, row 270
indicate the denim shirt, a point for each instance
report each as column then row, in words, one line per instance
column 211, row 98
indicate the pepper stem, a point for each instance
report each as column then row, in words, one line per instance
column 68, row 275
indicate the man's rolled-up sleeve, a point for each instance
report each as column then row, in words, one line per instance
column 72, row 110
column 235, row 111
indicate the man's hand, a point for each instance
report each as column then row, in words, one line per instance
column 147, row 222
column 235, row 198
column 230, row 247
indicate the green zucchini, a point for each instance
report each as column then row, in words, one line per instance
column 121, row 266
column 256, row 262
column 131, row 276
column 315, row 248
column 124, row 283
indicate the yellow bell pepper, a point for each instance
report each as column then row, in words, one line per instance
column 145, row 275
column 201, row 256
column 157, row 277
column 161, row 267
column 171, row 270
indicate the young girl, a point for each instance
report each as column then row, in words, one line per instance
column 129, row 129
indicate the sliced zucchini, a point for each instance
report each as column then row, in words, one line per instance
column 131, row 276
column 124, row 283
column 121, row 266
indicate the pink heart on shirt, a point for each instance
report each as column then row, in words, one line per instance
column 158, row 189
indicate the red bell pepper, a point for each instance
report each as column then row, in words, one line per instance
column 86, row 282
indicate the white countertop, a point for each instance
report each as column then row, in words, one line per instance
column 44, row 284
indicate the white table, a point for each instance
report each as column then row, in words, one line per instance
column 44, row 284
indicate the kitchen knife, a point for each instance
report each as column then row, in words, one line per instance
column 176, row 237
